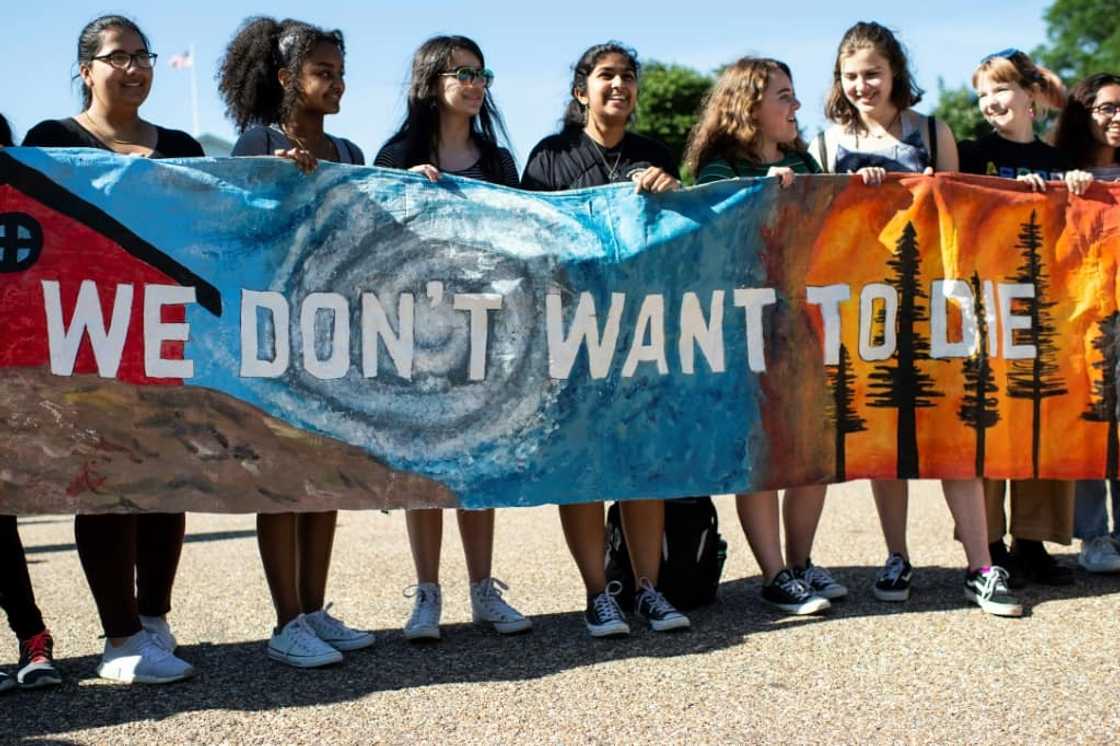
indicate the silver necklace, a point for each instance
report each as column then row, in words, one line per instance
column 612, row 171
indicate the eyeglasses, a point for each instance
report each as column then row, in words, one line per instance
column 1108, row 111
column 121, row 60
column 470, row 75
column 1005, row 54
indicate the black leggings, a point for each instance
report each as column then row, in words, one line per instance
column 130, row 563
column 16, row 596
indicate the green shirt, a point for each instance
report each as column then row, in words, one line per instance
column 720, row 169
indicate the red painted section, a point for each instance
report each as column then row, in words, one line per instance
column 72, row 252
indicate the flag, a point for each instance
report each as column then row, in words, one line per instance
column 181, row 61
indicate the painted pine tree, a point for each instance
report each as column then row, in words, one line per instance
column 978, row 408
column 844, row 414
column 900, row 383
column 1103, row 406
column 1037, row 378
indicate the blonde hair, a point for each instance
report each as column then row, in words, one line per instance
column 1044, row 87
column 728, row 125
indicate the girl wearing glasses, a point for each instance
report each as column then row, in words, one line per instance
column 876, row 131
column 748, row 127
column 452, row 126
column 1013, row 94
column 1089, row 135
column 279, row 80
column 592, row 149
column 129, row 560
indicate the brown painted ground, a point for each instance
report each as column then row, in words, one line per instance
column 930, row 671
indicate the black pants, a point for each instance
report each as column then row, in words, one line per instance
column 16, row 596
column 130, row 563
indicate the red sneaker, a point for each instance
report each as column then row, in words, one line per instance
column 36, row 662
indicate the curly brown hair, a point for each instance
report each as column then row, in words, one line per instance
column 248, row 78
column 728, row 127
column 870, row 35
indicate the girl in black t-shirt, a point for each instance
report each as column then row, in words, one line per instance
column 1012, row 93
column 594, row 149
column 129, row 560
column 452, row 125
column 279, row 80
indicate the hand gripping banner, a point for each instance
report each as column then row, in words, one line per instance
column 231, row 335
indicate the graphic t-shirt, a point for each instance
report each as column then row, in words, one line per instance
column 67, row 133
column 993, row 155
column 572, row 160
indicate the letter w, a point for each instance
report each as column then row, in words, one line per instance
column 87, row 319
column 562, row 350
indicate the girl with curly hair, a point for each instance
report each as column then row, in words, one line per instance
column 279, row 80
column 748, row 127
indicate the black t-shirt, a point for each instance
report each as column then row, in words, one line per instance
column 267, row 140
column 394, row 154
column 993, row 155
column 572, row 160
column 67, row 133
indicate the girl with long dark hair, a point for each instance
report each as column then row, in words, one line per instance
column 130, row 560
column 595, row 148
column 279, row 80
column 452, row 126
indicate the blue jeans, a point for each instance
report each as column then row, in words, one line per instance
column 1090, row 515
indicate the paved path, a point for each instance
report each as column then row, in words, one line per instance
column 933, row 670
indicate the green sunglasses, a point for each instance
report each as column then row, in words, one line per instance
column 469, row 75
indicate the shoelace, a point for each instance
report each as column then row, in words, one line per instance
column 490, row 595
column 896, row 565
column 995, row 581
column 794, row 587
column 606, row 607
column 658, row 603
column 38, row 648
column 815, row 576
column 335, row 624
column 303, row 635
column 424, row 610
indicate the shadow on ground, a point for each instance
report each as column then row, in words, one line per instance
column 240, row 677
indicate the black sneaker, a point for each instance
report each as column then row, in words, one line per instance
column 1009, row 562
column 820, row 581
column 987, row 588
column 7, row 682
column 655, row 609
column 1038, row 566
column 789, row 594
column 894, row 581
column 604, row 617
column 36, row 662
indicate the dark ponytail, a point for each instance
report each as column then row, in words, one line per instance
column 89, row 44
column 5, row 133
column 575, row 114
column 248, row 75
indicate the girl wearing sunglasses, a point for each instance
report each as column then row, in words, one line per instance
column 594, row 148
column 452, row 126
column 130, row 561
column 279, row 80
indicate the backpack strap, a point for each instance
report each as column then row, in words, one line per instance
column 932, row 122
column 810, row 164
column 822, row 146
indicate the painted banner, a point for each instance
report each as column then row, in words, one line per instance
column 231, row 335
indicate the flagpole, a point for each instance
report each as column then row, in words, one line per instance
column 194, row 93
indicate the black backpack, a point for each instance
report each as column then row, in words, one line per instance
column 692, row 554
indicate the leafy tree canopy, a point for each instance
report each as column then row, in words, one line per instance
column 670, row 102
column 1083, row 37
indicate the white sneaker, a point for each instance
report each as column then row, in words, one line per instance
column 142, row 660
column 158, row 628
column 298, row 645
column 488, row 606
column 1099, row 555
column 336, row 634
column 426, row 610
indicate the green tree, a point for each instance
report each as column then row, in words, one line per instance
column 670, row 102
column 957, row 107
column 1083, row 38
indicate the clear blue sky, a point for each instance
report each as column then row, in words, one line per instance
column 531, row 48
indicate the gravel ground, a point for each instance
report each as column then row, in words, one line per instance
column 929, row 671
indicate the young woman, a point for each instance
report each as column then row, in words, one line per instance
column 1013, row 93
column 279, row 80
column 129, row 560
column 875, row 131
column 36, row 646
column 748, row 127
column 452, row 125
column 1089, row 136
column 592, row 149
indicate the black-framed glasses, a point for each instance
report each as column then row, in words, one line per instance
column 1106, row 110
column 469, row 75
column 121, row 59
column 1005, row 54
